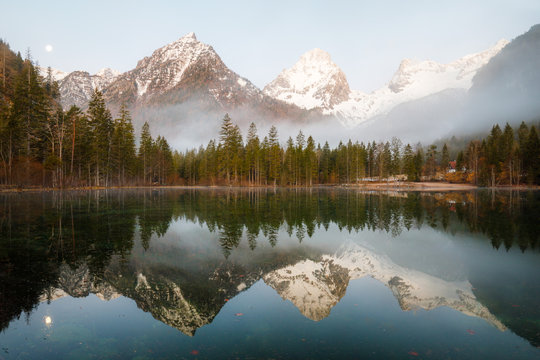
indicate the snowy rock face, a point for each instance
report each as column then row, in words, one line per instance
column 316, row 82
column 313, row 82
column 179, row 71
column 77, row 87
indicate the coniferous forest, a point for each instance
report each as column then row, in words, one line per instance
column 42, row 144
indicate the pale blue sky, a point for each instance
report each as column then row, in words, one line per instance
column 257, row 39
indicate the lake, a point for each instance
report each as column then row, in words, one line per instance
column 280, row 274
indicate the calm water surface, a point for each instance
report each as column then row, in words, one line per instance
column 217, row 273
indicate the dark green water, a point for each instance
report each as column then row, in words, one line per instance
column 141, row 274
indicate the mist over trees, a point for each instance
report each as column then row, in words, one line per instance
column 509, row 157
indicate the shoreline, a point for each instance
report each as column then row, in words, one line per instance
column 379, row 186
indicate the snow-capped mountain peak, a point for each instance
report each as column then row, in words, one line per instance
column 413, row 80
column 185, row 50
column 168, row 63
column 315, row 81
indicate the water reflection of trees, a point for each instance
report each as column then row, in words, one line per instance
column 96, row 225
column 505, row 217
column 40, row 232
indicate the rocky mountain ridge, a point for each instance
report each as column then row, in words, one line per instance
column 185, row 71
column 188, row 71
column 76, row 88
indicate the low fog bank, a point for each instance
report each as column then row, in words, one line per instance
column 453, row 112
column 449, row 113
column 187, row 126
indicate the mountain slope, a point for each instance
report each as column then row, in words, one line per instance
column 508, row 87
column 189, row 71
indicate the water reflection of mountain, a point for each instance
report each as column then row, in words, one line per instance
column 315, row 287
column 135, row 243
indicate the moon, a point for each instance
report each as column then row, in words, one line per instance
column 48, row 48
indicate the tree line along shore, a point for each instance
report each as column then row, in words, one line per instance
column 43, row 145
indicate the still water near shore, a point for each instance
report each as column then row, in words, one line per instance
column 289, row 273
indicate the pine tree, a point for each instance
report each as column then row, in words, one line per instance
column 418, row 163
column 494, row 154
column 396, row 165
column 29, row 114
column 274, row 156
column 532, row 157
column 523, row 136
column 445, row 158
column 79, row 145
column 290, row 162
column 252, row 154
column 145, row 152
column 311, row 161
column 227, row 147
column 460, row 161
column 123, row 146
column 299, row 158
column 102, row 128
column 508, row 152
column 431, row 162
column 408, row 163
column 325, row 164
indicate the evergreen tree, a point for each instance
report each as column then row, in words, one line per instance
column 145, row 152
column 508, row 150
column 29, row 112
column 226, row 140
column 101, row 125
column 431, row 163
column 460, row 161
column 325, row 164
column 123, row 146
column 445, row 158
column 290, row 163
column 523, row 136
column 274, row 156
column 252, row 154
column 396, row 163
column 409, row 163
column 532, row 157
column 311, row 161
